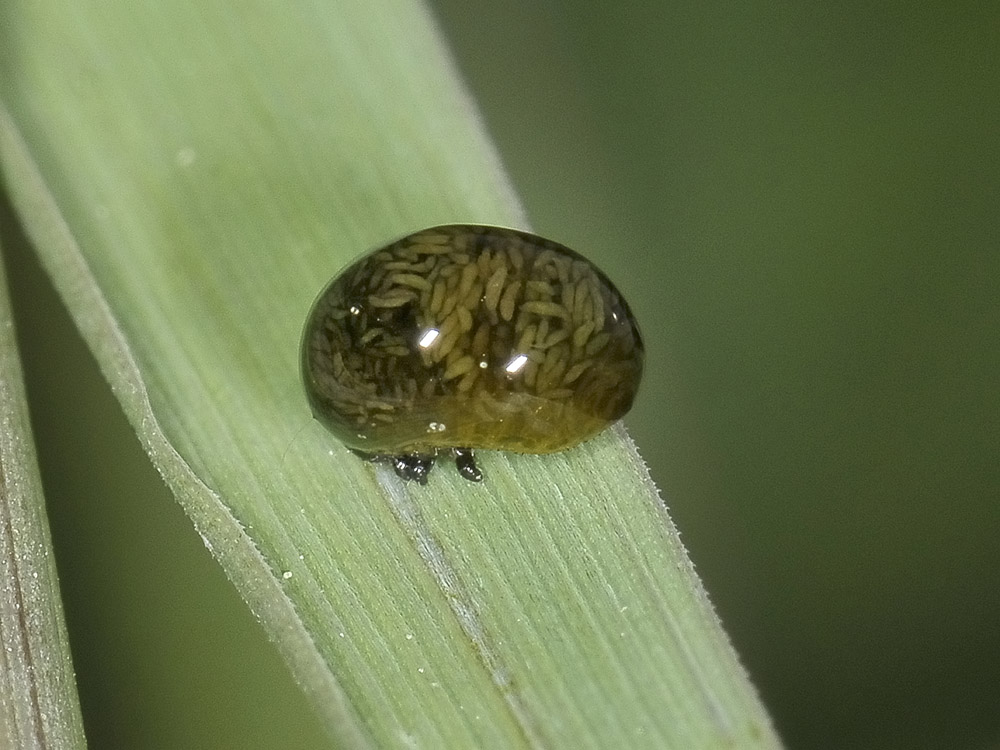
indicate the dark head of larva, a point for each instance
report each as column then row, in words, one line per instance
column 461, row 337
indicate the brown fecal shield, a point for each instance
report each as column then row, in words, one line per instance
column 474, row 337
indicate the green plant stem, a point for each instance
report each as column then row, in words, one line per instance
column 38, row 702
column 191, row 178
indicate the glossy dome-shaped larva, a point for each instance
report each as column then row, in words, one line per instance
column 461, row 337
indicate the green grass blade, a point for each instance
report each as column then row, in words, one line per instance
column 38, row 701
column 191, row 177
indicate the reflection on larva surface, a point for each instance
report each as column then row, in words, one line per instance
column 461, row 337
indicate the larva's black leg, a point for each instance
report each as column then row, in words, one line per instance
column 413, row 467
column 465, row 460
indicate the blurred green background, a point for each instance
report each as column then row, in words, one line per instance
column 802, row 203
